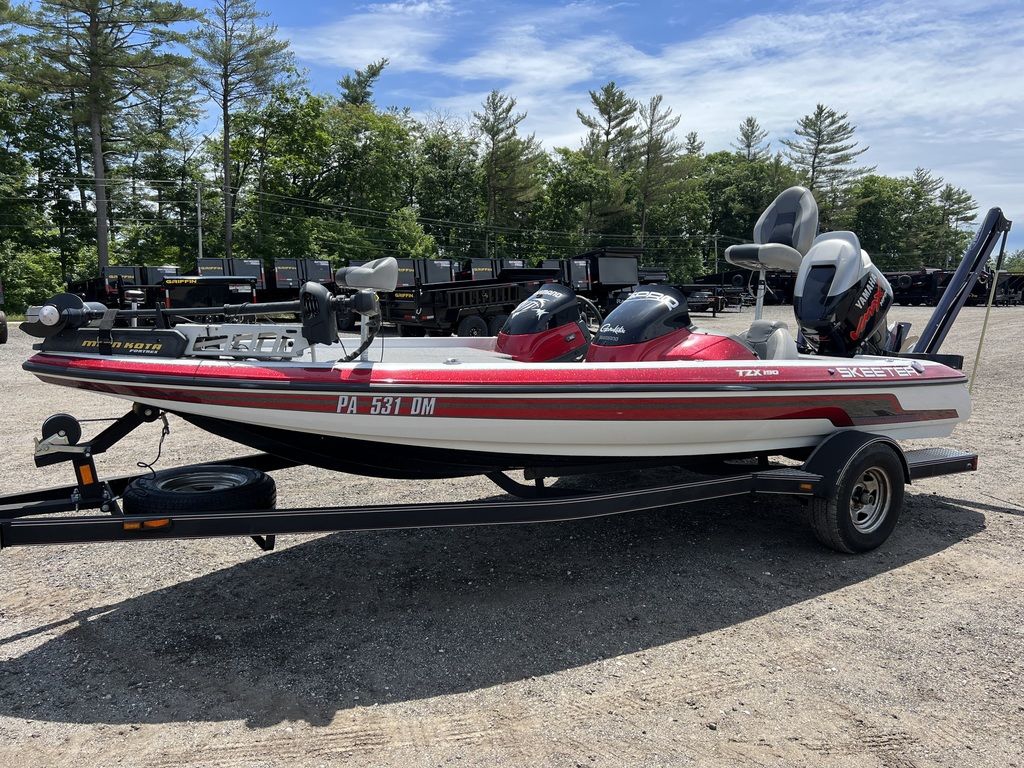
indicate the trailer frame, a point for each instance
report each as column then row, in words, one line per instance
column 27, row 517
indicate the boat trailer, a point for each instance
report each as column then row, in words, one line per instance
column 828, row 480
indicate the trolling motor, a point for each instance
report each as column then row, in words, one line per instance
column 316, row 306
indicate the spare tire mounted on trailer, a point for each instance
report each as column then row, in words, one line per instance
column 200, row 488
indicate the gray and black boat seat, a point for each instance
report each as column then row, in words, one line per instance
column 770, row 340
column 782, row 236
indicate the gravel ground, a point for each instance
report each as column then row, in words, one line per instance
column 714, row 635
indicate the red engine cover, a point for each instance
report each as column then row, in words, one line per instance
column 553, row 345
column 684, row 344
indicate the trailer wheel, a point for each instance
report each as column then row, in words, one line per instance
column 865, row 506
column 472, row 325
column 495, row 324
column 200, row 488
column 3, row 328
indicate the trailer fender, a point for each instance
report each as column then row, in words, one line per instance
column 838, row 451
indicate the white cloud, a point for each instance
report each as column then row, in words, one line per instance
column 935, row 83
column 406, row 33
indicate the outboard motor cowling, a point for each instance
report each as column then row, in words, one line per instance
column 841, row 299
column 547, row 327
column 653, row 323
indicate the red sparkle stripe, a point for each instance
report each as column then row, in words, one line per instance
column 499, row 375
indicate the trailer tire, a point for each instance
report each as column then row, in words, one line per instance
column 495, row 324
column 3, row 328
column 200, row 488
column 472, row 325
column 865, row 505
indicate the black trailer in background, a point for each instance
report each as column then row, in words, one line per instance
column 3, row 316
column 463, row 307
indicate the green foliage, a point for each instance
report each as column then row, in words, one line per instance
column 658, row 151
column 825, row 153
column 1014, row 261
column 410, row 239
column 752, row 140
column 28, row 276
column 239, row 61
column 104, row 59
column 510, row 162
column 300, row 174
column 357, row 88
column 612, row 134
column 910, row 222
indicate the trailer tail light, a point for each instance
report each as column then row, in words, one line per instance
column 167, row 299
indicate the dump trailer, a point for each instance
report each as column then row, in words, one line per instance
column 462, row 307
column 603, row 275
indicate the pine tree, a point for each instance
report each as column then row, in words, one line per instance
column 658, row 150
column 509, row 160
column 357, row 88
column 751, row 141
column 105, row 56
column 240, row 60
column 694, row 146
column 612, row 134
column 825, row 151
column 958, row 206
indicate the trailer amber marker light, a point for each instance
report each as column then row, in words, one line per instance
column 132, row 525
column 806, row 487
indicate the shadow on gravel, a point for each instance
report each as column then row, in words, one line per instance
column 357, row 619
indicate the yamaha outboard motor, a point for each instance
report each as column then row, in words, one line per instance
column 548, row 327
column 653, row 323
column 841, row 299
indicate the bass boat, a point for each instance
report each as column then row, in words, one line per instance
column 646, row 386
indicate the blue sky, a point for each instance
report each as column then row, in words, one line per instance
column 936, row 83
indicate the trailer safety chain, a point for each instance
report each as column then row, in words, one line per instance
column 164, row 432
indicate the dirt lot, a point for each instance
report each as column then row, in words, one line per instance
column 722, row 635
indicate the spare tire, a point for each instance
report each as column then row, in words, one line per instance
column 200, row 488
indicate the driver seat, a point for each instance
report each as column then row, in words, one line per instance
column 770, row 340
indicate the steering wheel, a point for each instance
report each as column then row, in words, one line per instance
column 590, row 314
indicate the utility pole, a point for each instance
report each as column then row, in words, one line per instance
column 199, row 217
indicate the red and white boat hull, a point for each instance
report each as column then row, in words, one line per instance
column 506, row 414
